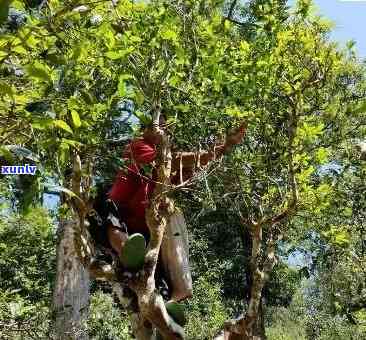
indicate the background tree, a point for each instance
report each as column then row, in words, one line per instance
column 279, row 178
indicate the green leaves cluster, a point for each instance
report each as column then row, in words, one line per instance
column 27, row 255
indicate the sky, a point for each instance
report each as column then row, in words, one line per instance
column 349, row 17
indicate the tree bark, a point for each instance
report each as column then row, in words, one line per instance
column 260, row 330
column 141, row 329
column 247, row 250
column 71, row 291
column 249, row 326
column 151, row 304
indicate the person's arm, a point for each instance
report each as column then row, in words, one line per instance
column 192, row 159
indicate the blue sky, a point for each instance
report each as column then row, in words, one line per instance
column 349, row 17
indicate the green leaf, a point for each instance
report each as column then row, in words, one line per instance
column 122, row 88
column 70, row 142
column 63, row 189
column 235, row 112
column 361, row 108
column 75, row 119
column 39, row 71
column 342, row 239
column 174, row 80
column 139, row 97
column 42, row 124
column 88, row 98
column 169, row 35
column 321, row 155
column 63, row 125
column 56, row 59
column 20, row 50
column 337, row 306
column 66, row 191
column 228, row 25
column 109, row 39
column 145, row 119
column 73, row 103
column 114, row 55
column 77, row 52
column 125, row 77
column 18, row 5
column 182, row 108
column 347, row 212
column 80, row 52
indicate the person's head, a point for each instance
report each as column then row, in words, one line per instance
column 150, row 135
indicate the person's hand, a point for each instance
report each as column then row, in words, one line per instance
column 236, row 136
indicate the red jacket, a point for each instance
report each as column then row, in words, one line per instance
column 130, row 190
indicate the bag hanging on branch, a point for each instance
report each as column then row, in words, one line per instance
column 175, row 254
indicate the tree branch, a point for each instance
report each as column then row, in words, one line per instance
column 292, row 205
column 150, row 303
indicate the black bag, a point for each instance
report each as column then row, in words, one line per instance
column 104, row 213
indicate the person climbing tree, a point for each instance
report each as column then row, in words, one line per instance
column 133, row 187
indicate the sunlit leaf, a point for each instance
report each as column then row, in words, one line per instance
column 42, row 124
column 64, row 190
column 63, row 125
column 169, row 34
column 75, row 119
column 38, row 71
column 114, row 55
column 20, row 50
column 6, row 154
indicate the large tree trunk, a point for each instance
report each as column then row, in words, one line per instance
column 151, row 304
column 250, row 325
column 259, row 327
column 71, row 291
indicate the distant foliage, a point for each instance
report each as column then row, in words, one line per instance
column 21, row 319
column 207, row 311
column 106, row 320
column 27, row 269
column 287, row 323
column 27, row 255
